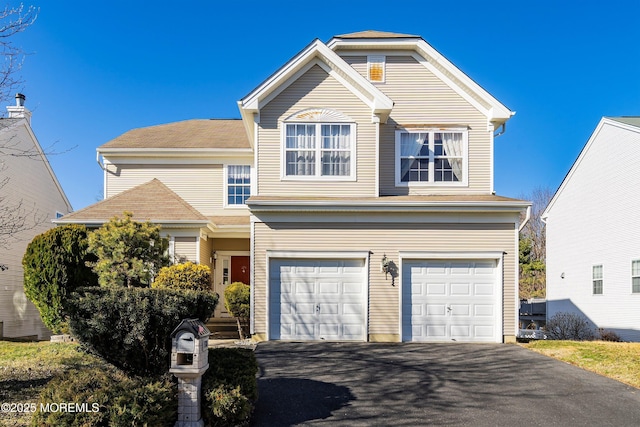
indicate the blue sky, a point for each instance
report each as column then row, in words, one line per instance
column 98, row 69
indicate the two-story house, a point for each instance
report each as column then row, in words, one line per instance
column 372, row 216
column 30, row 197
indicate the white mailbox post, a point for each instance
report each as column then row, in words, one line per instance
column 189, row 360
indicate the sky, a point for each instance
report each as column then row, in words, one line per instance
column 97, row 69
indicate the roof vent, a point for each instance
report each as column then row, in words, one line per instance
column 20, row 100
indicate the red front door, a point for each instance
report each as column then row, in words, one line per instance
column 240, row 269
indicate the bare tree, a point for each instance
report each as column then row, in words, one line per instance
column 533, row 246
column 17, row 216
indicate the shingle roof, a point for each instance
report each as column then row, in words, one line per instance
column 199, row 133
column 221, row 221
column 373, row 34
column 628, row 120
column 152, row 201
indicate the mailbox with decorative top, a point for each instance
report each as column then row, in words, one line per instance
column 189, row 360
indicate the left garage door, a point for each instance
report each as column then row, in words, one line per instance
column 317, row 299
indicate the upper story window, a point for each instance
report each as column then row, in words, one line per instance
column 635, row 276
column 376, row 68
column 431, row 157
column 597, row 278
column 319, row 150
column 238, row 184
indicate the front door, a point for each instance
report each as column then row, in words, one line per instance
column 229, row 269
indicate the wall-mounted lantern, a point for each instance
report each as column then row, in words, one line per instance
column 385, row 265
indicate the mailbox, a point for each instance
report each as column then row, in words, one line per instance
column 189, row 347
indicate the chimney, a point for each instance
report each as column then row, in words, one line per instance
column 19, row 111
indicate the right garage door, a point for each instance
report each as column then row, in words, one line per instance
column 451, row 300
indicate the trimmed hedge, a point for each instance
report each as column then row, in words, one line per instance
column 131, row 327
column 54, row 266
column 229, row 386
column 184, row 276
column 107, row 397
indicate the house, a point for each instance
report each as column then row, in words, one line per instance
column 30, row 197
column 355, row 195
column 593, row 232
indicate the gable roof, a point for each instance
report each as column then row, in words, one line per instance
column 197, row 134
column 373, row 34
column 370, row 40
column 315, row 53
column 630, row 123
column 152, row 201
column 627, row 120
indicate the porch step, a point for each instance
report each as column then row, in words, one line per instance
column 222, row 328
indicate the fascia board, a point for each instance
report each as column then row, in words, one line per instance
column 388, row 207
column 170, row 224
column 497, row 112
column 375, row 99
column 604, row 121
column 175, row 152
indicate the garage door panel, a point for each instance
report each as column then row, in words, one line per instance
column 450, row 300
column 317, row 299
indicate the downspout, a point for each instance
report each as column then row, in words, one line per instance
column 504, row 129
column 98, row 161
column 527, row 216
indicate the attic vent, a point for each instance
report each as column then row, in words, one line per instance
column 375, row 67
column 323, row 115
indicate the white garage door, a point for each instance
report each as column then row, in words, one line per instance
column 451, row 301
column 317, row 299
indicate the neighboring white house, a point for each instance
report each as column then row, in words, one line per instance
column 28, row 182
column 593, row 232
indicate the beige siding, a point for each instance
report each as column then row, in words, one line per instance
column 31, row 183
column 422, row 98
column 202, row 186
column 315, row 89
column 389, row 239
column 186, row 249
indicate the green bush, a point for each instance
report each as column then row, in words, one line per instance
column 131, row 327
column 54, row 266
column 237, row 299
column 184, row 276
column 229, row 386
column 108, row 398
column 228, row 406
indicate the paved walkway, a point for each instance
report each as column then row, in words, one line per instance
column 365, row 384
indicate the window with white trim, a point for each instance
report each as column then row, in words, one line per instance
column 238, row 184
column 376, row 68
column 323, row 150
column 635, row 276
column 597, row 279
column 431, row 157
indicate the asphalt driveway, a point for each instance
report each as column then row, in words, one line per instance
column 364, row 384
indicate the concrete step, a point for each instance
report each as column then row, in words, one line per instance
column 223, row 328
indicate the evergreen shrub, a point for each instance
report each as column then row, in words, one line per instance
column 109, row 398
column 131, row 327
column 229, row 386
column 184, row 276
column 54, row 266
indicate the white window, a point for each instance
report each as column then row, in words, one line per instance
column 597, row 279
column 431, row 157
column 238, row 184
column 376, row 68
column 322, row 150
column 635, row 276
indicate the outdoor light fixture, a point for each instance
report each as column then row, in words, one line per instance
column 214, row 257
column 384, row 265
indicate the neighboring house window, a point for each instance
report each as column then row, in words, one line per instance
column 319, row 150
column 238, row 184
column 635, row 276
column 431, row 157
column 597, row 279
column 376, row 68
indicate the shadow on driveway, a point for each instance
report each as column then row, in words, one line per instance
column 432, row 384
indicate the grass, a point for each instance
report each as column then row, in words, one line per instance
column 25, row 368
column 620, row 361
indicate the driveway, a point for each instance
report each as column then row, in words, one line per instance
column 364, row 384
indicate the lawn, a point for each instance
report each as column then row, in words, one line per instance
column 26, row 367
column 620, row 361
